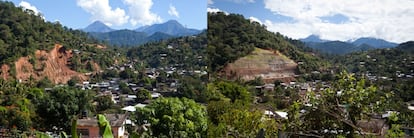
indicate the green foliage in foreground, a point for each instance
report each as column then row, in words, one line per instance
column 231, row 115
column 59, row 106
column 104, row 127
column 24, row 108
column 16, row 107
column 174, row 117
column 340, row 107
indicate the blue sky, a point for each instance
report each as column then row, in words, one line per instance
column 344, row 20
column 120, row 14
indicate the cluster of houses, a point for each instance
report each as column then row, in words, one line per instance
column 87, row 126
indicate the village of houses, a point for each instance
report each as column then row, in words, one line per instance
column 87, row 126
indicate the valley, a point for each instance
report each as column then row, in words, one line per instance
column 138, row 70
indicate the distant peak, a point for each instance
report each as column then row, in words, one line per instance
column 98, row 26
column 97, row 22
column 170, row 27
column 172, row 21
column 312, row 38
column 375, row 42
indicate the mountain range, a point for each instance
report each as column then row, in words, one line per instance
column 141, row 35
column 171, row 27
column 344, row 47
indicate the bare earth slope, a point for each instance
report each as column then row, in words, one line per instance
column 52, row 64
column 267, row 64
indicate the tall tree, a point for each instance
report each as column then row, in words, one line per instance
column 16, row 109
column 59, row 106
column 174, row 117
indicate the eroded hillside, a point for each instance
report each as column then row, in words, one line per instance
column 267, row 64
column 53, row 64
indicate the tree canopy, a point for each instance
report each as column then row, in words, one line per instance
column 174, row 117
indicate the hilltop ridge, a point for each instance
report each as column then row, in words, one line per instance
column 34, row 49
column 232, row 37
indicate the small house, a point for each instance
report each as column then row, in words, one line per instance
column 88, row 127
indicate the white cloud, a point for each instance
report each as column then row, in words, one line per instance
column 251, row 18
column 386, row 19
column 173, row 12
column 140, row 12
column 215, row 10
column 102, row 11
column 27, row 5
column 210, row 2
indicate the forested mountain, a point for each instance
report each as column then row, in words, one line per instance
column 313, row 38
column 25, row 34
column 128, row 37
column 22, row 32
column 232, row 36
column 142, row 35
column 341, row 47
column 381, row 62
column 407, row 46
column 182, row 52
column 171, row 27
column 99, row 27
column 374, row 42
column 337, row 47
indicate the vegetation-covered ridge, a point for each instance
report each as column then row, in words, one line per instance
column 183, row 53
column 142, row 35
column 232, row 36
column 23, row 32
column 382, row 62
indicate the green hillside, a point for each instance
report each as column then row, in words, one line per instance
column 22, row 32
column 184, row 52
column 407, row 46
column 382, row 62
column 232, row 36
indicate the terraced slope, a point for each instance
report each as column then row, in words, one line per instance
column 268, row 64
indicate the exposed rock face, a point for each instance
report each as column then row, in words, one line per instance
column 53, row 64
column 4, row 71
column 267, row 64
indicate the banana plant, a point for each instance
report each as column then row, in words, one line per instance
column 104, row 127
